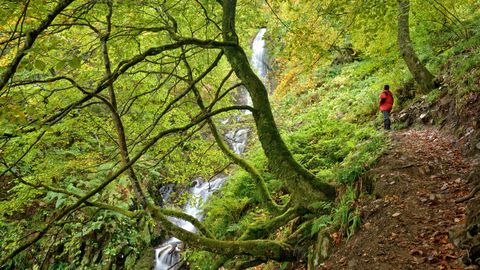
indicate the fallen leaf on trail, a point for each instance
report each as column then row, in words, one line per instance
column 415, row 252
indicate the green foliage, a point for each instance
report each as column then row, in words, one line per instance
column 346, row 217
column 81, row 149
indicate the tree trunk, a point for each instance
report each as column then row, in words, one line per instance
column 121, row 139
column 420, row 73
column 304, row 187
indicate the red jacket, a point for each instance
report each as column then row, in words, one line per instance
column 386, row 100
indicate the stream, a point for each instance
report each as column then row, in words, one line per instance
column 167, row 255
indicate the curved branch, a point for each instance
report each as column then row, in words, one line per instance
column 260, row 248
column 195, row 222
column 49, row 80
column 469, row 196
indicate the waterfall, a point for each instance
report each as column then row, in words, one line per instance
column 167, row 256
column 258, row 54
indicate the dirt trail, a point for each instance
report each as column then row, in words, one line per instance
column 407, row 226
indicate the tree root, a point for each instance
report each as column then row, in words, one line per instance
column 469, row 196
column 263, row 230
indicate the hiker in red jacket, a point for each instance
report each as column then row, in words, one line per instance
column 386, row 103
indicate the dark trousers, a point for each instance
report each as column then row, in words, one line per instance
column 386, row 120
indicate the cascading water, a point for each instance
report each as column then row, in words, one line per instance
column 258, row 57
column 167, row 254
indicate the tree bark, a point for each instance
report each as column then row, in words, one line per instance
column 420, row 73
column 303, row 186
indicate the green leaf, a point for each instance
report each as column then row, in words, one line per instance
column 60, row 65
column 75, row 62
column 60, row 201
column 39, row 64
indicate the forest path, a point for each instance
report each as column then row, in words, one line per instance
column 407, row 227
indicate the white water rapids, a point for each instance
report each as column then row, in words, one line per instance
column 167, row 256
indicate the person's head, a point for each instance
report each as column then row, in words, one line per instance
column 386, row 87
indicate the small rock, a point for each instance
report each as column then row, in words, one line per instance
column 478, row 146
column 423, row 200
column 458, row 180
column 403, row 116
column 432, row 259
column 444, row 187
column 432, row 197
column 457, row 220
column 391, row 183
column 396, row 214
column 367, row 225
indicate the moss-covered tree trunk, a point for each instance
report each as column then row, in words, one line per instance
column 304, row 187
column 420, row 73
